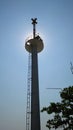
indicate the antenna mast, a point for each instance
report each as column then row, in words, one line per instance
column 34, row 47
column 34, row 22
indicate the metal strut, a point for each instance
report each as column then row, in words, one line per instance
column 28, row 108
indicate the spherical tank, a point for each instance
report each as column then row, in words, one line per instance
column 37, row 41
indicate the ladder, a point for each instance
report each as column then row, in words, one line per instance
column 28, row 108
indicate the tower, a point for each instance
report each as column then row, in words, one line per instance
column 34, row 45
column 71, row 67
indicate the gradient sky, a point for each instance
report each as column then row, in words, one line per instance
column 55, row 25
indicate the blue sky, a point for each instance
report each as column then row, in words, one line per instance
column 55, row 25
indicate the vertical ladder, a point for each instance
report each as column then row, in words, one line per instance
column 28, row 108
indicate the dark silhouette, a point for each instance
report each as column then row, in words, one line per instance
column 63, row 111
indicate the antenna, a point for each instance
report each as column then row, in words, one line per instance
column 71, row 67
column 34, row 22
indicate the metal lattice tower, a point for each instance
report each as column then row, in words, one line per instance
column 28, row 109
column 71, row 67
column 34, row 45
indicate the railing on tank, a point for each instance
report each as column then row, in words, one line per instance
column 31, row 37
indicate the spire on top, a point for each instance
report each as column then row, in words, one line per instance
column 34, row 22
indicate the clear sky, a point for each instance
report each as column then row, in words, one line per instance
column 55, row 25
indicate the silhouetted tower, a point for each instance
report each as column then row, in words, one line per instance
column 71, row 67
column 34, row 45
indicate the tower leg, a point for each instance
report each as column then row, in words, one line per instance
column 35, row 108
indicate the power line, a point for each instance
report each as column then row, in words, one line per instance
column 54, row 88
